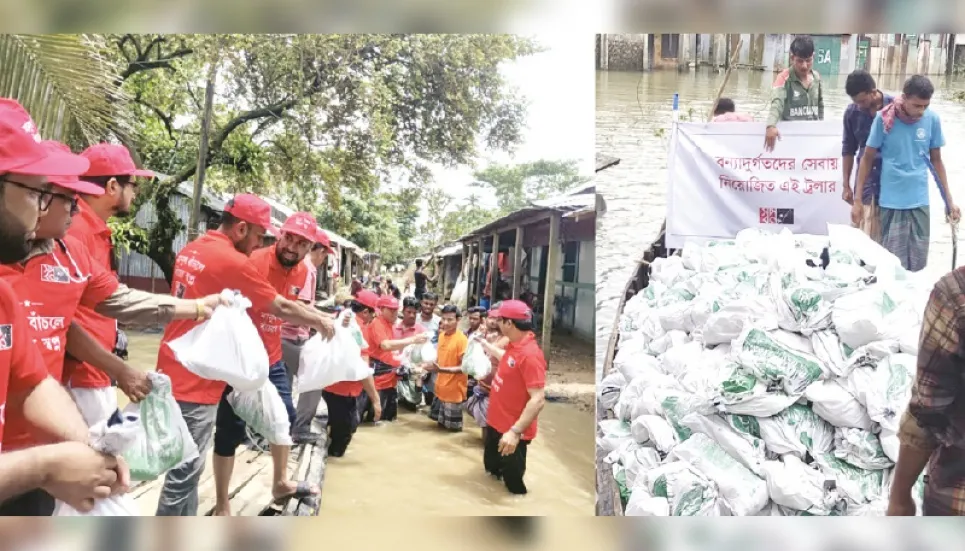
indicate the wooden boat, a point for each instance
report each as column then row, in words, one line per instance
column 608, row 500
column 250, row 491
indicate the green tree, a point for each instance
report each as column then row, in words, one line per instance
column 314, row 117
column 515, row 186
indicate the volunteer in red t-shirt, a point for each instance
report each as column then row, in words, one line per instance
column 342, row 398
column 283, row 266
column 216, row 261
column 380, row 334
column 71, row 471
column 516, row 398
column 58, row 276
column 113, row 170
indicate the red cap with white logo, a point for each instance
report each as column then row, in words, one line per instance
column 251, row 209
column 70, row 182
column 107, row 159
column 323, row 240
column 21, row 151
column 303, row 225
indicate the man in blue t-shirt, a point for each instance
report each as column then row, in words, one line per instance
column 908, row 137
column 867, row 100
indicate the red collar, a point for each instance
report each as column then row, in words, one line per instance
column 528, row 338
column 87, row 214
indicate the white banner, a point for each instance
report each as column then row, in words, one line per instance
column 722, row 180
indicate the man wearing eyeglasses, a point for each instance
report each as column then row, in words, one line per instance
column 111, row 169
column 70, row 470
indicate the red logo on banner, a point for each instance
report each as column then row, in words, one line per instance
column 768, row 216
column 776, row 216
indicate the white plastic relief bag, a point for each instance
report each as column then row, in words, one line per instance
column 354, row 329
column 885, row 388
column 738, row 435
column 325, row 362
column 264, row 412
column 793, row 484
column 776, row 363
column 654, row 430
column 797, row 430
column 112, row 436
column 226, row 348
column 832, row 401
column 475, row 362
column 427, row 353
column 688, row 491
column 860, row 448
column 163, row 440
column 742, row 492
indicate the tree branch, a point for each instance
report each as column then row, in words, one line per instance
column 166, row 119
column 218, row 140
column 162, row 63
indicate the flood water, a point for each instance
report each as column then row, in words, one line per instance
column 411, row 467
column 633, row 112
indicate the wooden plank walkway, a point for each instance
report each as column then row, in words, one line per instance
column 251, row 481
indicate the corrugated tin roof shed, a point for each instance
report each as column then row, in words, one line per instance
column 578, row 201
column 604, row 162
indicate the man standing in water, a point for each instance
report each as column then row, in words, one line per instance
column 909, row 138
column 380, row 334
column 292, row 336
column 516, row 399
column 215, row 261
column 866, row 100
column 494, row 343
column 797, row 94
column 726, row 111
column 410, row 383
column 342, row 398
column 283, row 266
column 430, row 322
column 451, row 382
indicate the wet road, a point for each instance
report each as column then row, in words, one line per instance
column 633, row 113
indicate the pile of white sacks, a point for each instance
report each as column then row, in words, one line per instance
column 750, row 381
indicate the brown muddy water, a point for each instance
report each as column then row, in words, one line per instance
column 412, row 468
column 633, row 113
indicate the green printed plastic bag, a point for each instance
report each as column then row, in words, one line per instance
column 859, row 485
column 164, row 441
column 797, row 430
column 776, row 363
column 861, row 448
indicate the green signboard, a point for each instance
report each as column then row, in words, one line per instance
column 864, row 46
column 827, row 54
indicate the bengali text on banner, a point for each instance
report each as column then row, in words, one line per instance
column 722, row 180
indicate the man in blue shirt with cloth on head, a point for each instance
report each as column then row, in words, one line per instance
column 909, row 138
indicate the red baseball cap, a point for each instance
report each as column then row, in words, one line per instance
column 70, row 182
column 512, row 310
column 368, row 298
column 252, row 209
column 322, row 239
column 388, row 301
column 21, row 151
column 112, row 160
column 301, row 224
